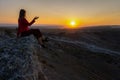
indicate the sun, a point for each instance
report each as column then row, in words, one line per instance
column 72, row 23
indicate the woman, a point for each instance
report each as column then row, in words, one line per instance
column 23, row 28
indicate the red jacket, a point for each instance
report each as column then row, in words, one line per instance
column 23, row 25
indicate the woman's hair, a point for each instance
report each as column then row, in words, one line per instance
column 22, row 13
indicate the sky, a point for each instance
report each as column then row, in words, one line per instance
column 61, row 12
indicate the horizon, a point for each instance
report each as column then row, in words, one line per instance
column 44, row 26
column 62, row 12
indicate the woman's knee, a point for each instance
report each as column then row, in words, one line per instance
column 36, row 30
column 37, row 33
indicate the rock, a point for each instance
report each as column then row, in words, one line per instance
column 18, row 59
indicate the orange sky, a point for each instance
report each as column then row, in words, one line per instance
column 61, row 12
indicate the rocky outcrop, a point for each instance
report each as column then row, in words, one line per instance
column 62, row 59
column 18, row 59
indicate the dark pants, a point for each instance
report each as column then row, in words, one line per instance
column 35, row 32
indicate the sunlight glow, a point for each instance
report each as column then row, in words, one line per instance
column 73, row 23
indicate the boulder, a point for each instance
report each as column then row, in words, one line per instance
column 18, row 59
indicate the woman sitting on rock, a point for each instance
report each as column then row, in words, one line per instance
column 23, row 28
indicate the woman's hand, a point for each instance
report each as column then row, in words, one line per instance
column 36, row 18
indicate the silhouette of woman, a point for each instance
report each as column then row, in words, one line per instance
column 23, row 28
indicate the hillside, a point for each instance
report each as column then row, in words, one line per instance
column 70, row 55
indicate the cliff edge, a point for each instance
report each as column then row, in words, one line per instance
column 18, row 59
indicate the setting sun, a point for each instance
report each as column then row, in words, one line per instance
column 73, row 23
